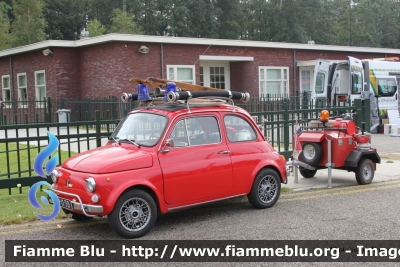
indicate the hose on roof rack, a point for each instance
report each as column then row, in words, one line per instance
column 184, row 95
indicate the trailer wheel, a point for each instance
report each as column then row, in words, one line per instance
column 365, row 171
column 311, row 154
column 307, row 173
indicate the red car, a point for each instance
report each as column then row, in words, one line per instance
column 167, row 157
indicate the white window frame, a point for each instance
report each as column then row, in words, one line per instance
column 173, row 75
column 39, row 102
column 302, row 83
column 283, row 81
column 206, row 73
column 5, row 89
column 22, row 103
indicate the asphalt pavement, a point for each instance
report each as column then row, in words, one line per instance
column 388, row 148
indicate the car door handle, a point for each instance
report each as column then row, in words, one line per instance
column 224, row 152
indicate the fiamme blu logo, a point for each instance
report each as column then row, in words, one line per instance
column 49, row 167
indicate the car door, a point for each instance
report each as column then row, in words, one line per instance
column 198, row 167
column 246, row 150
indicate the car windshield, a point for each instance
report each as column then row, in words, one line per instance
column 143, row 129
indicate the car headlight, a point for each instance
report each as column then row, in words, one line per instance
column 54, row 175
column 90, row 184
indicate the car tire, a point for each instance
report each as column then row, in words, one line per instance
column 365, row 171
column 76, row 216
column 134, row 214
column 311, row 154
column 306, row 173
column 265, row 190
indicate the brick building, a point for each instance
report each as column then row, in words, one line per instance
column 102, row 66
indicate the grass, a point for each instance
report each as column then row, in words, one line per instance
column 24, row 156
column 16, row 208
column 286, row 189
column 390, row 156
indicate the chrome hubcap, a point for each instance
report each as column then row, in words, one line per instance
column 267, row 189
column 135, row 214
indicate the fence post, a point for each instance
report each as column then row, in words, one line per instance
column 49, row 109
column 286, row 125
column 358, row 119
column 1, row 115
column 98, row 128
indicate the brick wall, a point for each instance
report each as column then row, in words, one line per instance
column 105, row 69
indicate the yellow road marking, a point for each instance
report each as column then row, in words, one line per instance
column 296, row 196
column 336, row 192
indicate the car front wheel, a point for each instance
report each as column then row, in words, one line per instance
column 266, row 189
column 134, row 214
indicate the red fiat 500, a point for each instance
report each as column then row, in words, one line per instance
column 167, row 157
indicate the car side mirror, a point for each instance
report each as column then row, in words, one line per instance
column 168, row 144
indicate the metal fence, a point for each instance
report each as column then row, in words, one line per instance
column 20, row 143
column 47, row 110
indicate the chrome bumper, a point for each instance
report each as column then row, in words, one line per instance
column 79, row 205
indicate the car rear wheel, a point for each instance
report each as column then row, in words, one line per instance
column 266, row 189
column 311, row 154
column 134, row 214
column 365, row 171
column 306, row 173
column 76, row 216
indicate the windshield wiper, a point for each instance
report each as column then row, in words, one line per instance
column 115, row 139
column 131, row 141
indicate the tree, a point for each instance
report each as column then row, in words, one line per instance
column 29, row 23
column 228, row 18
column 4, row 26
column 95, row 28
column 148, row 15
column 123, row 22
column 64, row 19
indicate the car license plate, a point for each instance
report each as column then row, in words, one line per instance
column 65, row 203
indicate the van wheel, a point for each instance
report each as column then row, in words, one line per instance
column 134, row 214
column 266, row 189
column 306, row 173
column 311, row 154
column 76, row 216
column 365, row 171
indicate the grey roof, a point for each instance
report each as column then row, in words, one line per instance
column 189, row 41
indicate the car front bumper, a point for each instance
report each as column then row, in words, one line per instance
column 79, row 206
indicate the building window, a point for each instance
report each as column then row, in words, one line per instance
column 181, row 73
column 40, row 87
column 215, row 74
column 305, row 81
column 217, row 77
column 5, row 83
column 22, row 93
column 273, row 80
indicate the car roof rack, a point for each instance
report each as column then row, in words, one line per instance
column 177, row 92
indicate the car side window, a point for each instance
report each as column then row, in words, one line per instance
column 238, row 129
column 195, row 131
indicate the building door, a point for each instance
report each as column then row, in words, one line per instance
column 215, row 74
